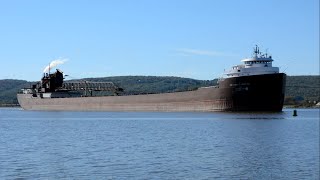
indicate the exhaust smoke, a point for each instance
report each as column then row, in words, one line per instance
column 54, row 63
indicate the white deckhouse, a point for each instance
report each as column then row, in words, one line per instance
column 258, row 64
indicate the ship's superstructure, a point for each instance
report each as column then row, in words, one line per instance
column 258, row 64
column 53, row 86
column 253, row 86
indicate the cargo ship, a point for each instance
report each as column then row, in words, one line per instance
column 255, row 85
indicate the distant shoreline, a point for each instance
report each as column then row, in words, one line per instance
column 300, row 107
column 9, row 105
column 284, row 106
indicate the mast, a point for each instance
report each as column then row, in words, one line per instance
column 256, row 51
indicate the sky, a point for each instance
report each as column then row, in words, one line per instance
column 187, row 38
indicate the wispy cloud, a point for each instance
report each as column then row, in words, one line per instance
column 189, row 52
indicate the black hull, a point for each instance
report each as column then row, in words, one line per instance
column 254, row 93
column 247, row 93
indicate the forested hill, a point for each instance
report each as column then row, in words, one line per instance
column 302, row 90
column 154, row 84
column 9, row 89
column 299, row 89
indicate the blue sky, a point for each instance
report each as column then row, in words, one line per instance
column 187, row 38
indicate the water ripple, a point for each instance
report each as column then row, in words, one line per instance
column 78, row 145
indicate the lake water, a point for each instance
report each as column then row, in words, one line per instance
column 126, row 145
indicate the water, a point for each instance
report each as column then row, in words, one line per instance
column 115, row 145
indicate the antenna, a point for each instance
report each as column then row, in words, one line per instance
column 256, row 51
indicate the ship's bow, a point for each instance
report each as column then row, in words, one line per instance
column 257, row 93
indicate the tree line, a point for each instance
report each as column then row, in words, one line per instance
column 300, row 90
